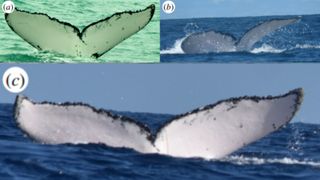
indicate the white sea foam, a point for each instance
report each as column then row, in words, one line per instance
column 265, row 48
column 175, row 49
column 306, row 46
column 242, row 160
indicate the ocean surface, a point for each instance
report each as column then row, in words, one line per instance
column 291, row 153
column 142, row 47
column 299, row 42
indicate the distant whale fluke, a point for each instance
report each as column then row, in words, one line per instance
column 49, row 34
column 211, row 41
column 213, row 131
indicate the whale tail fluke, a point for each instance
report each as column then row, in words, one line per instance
column 79, row 123
column 50, row 34
column 217, row 130
column 211, row 41
column 213, row 131
column 199, row 43
column 256, row 33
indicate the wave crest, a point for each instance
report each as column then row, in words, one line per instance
column 242, row 160
column 265, row 48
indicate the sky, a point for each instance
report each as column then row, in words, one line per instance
column 241, row 8
column 167, row 88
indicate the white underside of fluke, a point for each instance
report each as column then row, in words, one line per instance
column 213, row 131
column 49, row 34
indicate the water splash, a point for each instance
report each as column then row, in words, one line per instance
column 295, row 140
column 266, row 48
column 191, row 28
column 306, row 46
column 176, row 48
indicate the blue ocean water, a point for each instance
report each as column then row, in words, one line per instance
column 299, row 42
column 291, row 153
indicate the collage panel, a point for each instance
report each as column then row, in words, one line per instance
column 91, row 31
column 160, row 89
column 249, row 31
column 116, row 119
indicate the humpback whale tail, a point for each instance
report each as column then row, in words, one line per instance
column 213, row 131
column 211, row 41
column 50, row 34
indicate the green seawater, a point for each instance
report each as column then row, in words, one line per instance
column 142, row 47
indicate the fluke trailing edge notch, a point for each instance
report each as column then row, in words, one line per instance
column 50, row 34
column 213, row 131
